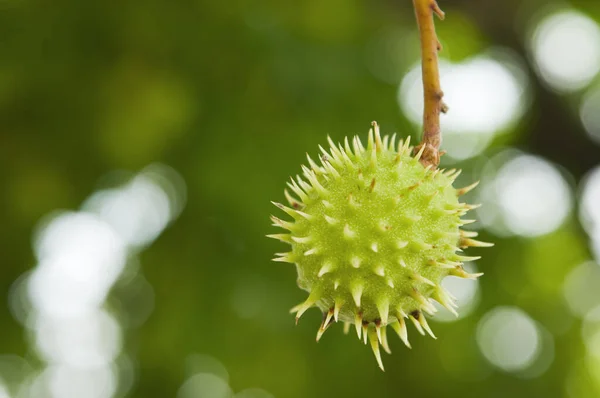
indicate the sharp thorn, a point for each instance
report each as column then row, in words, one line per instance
column 467, row 242
column 468, row 234
column 327, row 267
column 356, row 292
column 384, row 341
column 392, row 142
column 325, row 324
column 425, row 326
column 383, row 306
column 348, row 233
column 378, row 329
column 463, row 191
column 420, row 153
column 277, row 222
column 330, row 220
column 310, row 252
column 302, row 239
column 379, row 270
column 295, row 203
column 400, row 329
column 313, row 165
column 442, row 297
column 337, row 308
column 378, row 144
column 284, row 259
column 401, row 244
column 414, row 317
column 461, row 273
column 420, row 278
column 287, row 238
column 358, row 324
column 293, row 185
column 467, row 258
column 300, row 309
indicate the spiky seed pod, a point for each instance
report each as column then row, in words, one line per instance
column 373, row 234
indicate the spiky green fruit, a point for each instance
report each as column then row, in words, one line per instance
column 373, row 235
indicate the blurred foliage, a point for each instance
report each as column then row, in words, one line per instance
column 232, row 95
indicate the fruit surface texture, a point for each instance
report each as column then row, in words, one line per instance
column 373, row 233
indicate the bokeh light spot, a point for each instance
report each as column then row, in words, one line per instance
column 205, row 385
column 85, row 341
column 68, row 382
column 509, row 339
column 566, row 49
column 589, row 210
column 475, row 115
column 138, row 212
column 527, row 196
column 588, row 112
column 80, row 256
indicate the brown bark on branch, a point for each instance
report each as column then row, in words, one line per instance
column 430, row 45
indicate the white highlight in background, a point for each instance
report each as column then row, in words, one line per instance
column 95, row 335
column 3, row 391
column 509, row 339
column 588, row 112
column 566, row 50
column 528, row 197
column 80, row 257
column 589, row 208
column 69, row 382
column 141, row 209
column 484, row 96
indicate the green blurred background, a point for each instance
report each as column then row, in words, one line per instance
column 141, row 143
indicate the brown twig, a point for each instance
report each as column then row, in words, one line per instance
column 430, row 45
